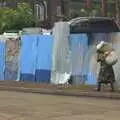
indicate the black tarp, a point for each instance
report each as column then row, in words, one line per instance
column 93, row 24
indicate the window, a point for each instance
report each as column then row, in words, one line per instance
column 59, row 10
column 40, row 11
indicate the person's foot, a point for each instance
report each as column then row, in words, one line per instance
column 112, row 87
column 98, row 90
column 99, row 87
column 112, row 90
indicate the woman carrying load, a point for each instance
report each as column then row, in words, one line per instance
column 107, row 58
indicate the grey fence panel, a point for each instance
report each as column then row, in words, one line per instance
column 12, row 59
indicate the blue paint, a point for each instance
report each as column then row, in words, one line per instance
column 44, row 58
column 42, row 76
column 27, row 77
column 28, row 54
column 44, row 52
column 36, row 58
column 2, row 59
column 91, row 79
column 79, row 48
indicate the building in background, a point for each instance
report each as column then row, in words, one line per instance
column 45, row 11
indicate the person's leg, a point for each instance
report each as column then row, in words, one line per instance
column 100, row 79
column 112, row 78
column 70, row 81
column 99, row 86
column 112, row 86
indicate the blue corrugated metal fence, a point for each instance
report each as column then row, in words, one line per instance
column 35, row 58
column 44, row 59
column 2, row 59
column 35, row 61
column 79, row 50
column 28, row 54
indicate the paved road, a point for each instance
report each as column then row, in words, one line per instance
column 25, row 106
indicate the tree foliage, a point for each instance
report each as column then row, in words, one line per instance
column 94, row 10
column 17, row 18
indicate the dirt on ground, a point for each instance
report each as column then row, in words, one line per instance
column 27, row 106
column 48, row 86
column 64, row 87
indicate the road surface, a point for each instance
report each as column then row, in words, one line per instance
column 27, row 106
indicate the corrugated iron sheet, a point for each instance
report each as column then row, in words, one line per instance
column 2, row 59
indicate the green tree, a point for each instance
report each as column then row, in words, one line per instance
column 21, row 16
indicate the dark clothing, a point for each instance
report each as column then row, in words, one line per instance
column 106, row 74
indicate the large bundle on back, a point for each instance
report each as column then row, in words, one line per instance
column 104, row 47
column 108, row 52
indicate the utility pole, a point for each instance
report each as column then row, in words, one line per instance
column 117, row 12
column 104, row 8
column 88, row 5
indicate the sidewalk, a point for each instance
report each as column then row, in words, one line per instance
column 53, row 90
